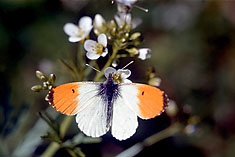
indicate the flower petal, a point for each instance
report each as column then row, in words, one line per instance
column 126, row 2
column 102, row 39
column 144, row 53
column 136, row 22
column 85, row 23
column 125, row 73
column 90, row 45
column 108, row 71
column 98, row 21
column 71, row 29
column 123, row 18
column 74, row 39
column 105, row 52
column 92, row 55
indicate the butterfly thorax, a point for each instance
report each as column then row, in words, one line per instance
column 109, row 92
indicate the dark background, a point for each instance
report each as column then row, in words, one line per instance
column 193, row 52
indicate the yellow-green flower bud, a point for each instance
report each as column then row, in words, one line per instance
column 41, row 76
column 52, row 79
column 132, row 50
column 37, row 88
column 134, row 36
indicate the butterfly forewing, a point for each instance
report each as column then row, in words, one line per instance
column 83, row 99
column 64, row 98
column 145, row 100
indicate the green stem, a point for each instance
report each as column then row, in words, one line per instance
column 138, row 147
column 170, row 131
column 108, row 63
column 53, row 147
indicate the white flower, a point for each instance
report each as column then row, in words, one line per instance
column 80, row 32
column 96, row 49
column 119, row 76
column 126, row 2
column 144, row 53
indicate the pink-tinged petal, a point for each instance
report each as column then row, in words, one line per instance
column 74, row 39
column 105, row 52
column 92, row 55
column 108, row 71
column 90, row 45
column 85, row 23
column 71, row 29
column 102, row 39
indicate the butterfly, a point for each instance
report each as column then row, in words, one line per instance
column 111, row 105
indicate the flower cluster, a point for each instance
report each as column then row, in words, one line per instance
column 116, row 33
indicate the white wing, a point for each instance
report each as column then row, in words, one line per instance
column 124, row 122
column 92, row 115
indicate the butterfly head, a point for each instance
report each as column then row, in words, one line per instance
column 118, row 76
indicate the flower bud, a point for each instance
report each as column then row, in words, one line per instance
column 132, row 50
column 37, row 88
column 52, row 79
column 172, row 109
column 155, row 81
column 41, row 76
column 134, row 36
column 123, row 40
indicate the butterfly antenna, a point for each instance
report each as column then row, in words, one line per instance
column 141, row 8
column 128, row 64
column 92, row 67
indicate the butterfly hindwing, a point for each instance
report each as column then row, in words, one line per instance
column 124, row 120
column 92, row 119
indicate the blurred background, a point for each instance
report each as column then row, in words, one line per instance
column 193, row 52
